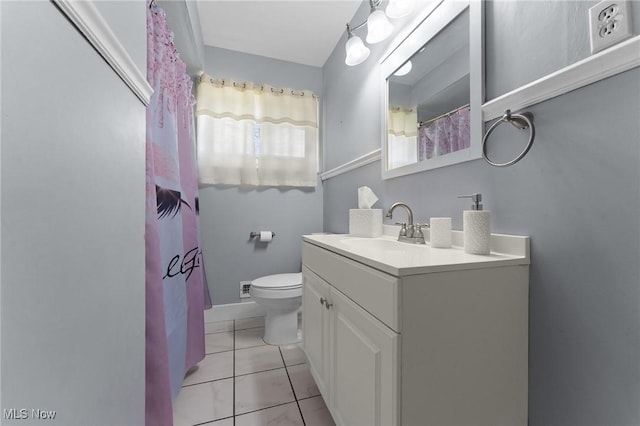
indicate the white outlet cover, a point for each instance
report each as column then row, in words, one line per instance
column 609, row 23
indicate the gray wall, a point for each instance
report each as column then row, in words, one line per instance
column 124, row 20
column 576, row 194
column 530, row 39
column 229, row 213
column 73, row 176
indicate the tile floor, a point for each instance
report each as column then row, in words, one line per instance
column 244, row 382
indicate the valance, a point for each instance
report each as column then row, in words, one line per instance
column 261, row 103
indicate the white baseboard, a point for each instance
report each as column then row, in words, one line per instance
column 233, row 311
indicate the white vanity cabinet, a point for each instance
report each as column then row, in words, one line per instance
column 315, row 327
column 444, row 343
column 363, row 366
column 353, row 356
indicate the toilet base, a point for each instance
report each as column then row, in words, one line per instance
column 281, row 328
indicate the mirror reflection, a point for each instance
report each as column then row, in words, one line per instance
column 429, row 98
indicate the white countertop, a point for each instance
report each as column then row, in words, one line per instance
column 388, row 255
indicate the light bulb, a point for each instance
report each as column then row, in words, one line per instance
column 378, row 27
column 403, row 70
column 399, row 8
column 357, row 52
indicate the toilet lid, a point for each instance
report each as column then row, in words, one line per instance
column 279, row 281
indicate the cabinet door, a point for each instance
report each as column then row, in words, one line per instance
column 364, row 366
column 315, row 328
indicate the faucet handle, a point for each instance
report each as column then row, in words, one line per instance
column 403, row 230
column 418, row 229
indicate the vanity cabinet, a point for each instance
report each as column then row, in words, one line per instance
column 353, row 355
column 315, row 327
column 440, row 345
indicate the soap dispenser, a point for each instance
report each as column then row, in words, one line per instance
column 476, row 225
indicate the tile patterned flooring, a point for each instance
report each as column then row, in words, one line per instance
column 244, row 382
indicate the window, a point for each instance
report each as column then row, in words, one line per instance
column 402, row 138
column 256, row 135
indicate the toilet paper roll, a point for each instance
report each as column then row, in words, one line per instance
column 477, row 231
column 440, row 232
column 266, row 236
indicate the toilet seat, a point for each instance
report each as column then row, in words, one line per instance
column 279, row 282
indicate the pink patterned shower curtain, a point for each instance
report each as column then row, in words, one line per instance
column 450, row 133
column 176, row 287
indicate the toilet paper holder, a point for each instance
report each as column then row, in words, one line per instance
column 256, row 234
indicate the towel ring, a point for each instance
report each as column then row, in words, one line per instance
column 521, row 121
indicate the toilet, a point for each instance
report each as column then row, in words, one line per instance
column 281, row 296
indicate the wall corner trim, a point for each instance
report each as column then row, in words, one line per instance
column 363, row 160
column 614, row 60
column 88, row 20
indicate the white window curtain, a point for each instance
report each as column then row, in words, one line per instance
column 256, row 135
column 403, row 136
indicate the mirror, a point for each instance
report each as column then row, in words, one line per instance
column 433, row 92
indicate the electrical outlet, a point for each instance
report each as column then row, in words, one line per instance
column 609, row 23
column 244, row 289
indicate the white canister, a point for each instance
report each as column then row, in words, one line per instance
column 440, row 232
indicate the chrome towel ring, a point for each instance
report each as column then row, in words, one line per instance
column 522, row 121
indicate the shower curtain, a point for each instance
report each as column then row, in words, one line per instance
column 449, row 133
column 176, row 288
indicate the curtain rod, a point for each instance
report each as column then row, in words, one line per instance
column 422, row 123
column 260, row 87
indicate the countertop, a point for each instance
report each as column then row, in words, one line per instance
column 400, row 259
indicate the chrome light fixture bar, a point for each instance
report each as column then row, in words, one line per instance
column 378, row 29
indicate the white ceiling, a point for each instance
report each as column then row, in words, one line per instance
column 301, row 31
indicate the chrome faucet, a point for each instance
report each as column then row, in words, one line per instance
column 409, row 233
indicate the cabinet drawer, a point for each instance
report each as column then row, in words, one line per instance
column 373, row 290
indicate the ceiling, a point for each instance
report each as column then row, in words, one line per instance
column 301, row 31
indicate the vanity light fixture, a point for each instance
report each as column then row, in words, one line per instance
column 399, row 8
column 357, row 52
column 378, row 28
